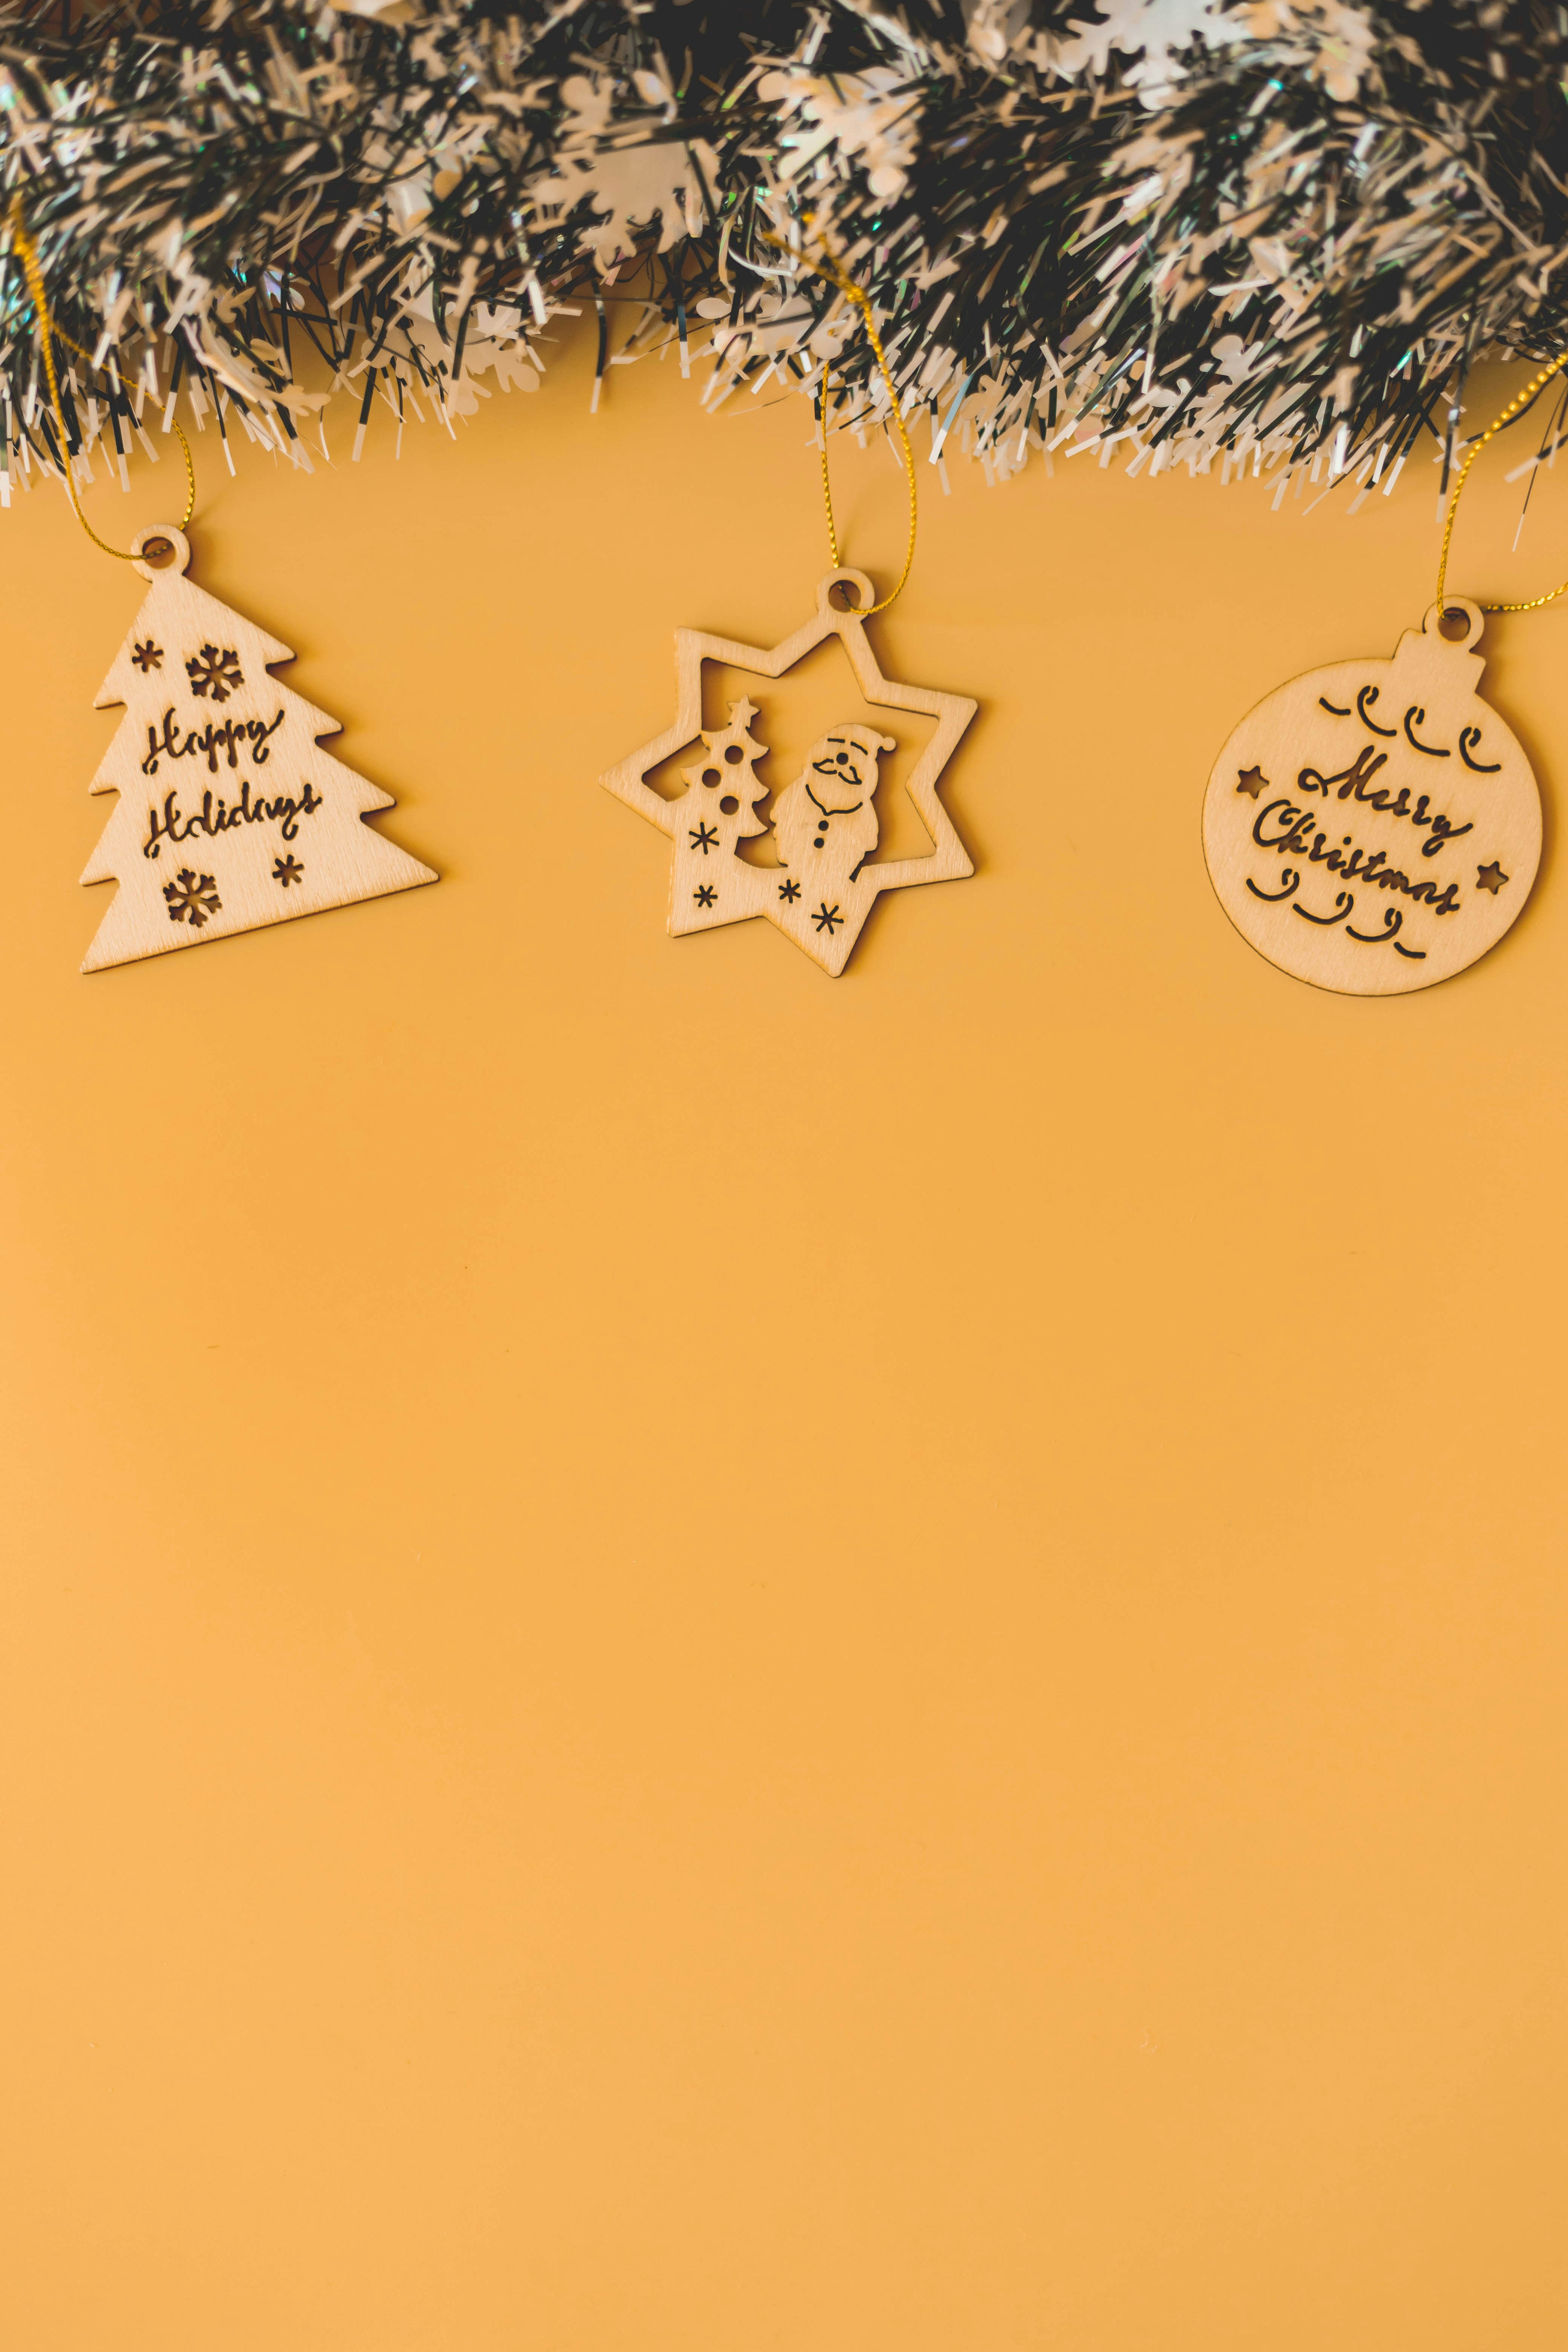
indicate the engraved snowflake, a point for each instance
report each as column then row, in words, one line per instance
column 214, row 671
column 147, row 656
column 286, row 870
column 192, row 897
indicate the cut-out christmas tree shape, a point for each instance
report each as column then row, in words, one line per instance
column 230, row 815
column 719, row 808
column 825, row 823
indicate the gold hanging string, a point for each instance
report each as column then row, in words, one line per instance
column 1521, row 401
column 827, row 266
column 33, row 271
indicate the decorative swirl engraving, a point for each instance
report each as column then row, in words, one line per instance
column 1344, row 902
column 1393, row 921
column 1433, row 750
column 1415, row 717
column 1288, row 875
column 1369, row 694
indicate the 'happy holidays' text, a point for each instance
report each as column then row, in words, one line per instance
column 170, row 824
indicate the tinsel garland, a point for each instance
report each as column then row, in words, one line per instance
column 1175, row 230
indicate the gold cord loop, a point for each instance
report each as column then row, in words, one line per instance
column 1521, row 400
column 828, row 267
column 33, row 271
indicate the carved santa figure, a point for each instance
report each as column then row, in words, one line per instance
column 825, row 823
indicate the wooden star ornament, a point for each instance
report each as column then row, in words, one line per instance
column 824, row 823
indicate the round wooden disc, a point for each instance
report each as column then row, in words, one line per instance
column 1373, row 826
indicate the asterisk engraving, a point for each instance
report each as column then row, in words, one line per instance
column 819, row 903
column 286, row 870
column 147, row 656
column 705, row 897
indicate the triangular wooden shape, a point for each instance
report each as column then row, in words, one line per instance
column 230, row 815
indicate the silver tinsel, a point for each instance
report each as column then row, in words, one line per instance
column 1273, row 233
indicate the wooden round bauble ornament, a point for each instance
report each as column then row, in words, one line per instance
column 1373, row 826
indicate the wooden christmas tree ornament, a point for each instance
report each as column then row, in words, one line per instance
column 1373, row 826
column 824, row 824
column 229, row 813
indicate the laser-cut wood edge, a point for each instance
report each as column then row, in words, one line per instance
column 1453, row 667
column 948, row 859
column 342, row 867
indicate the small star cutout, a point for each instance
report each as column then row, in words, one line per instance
column 286, row 870
column 705, row 897
column 827, row 918
column 1491, row 877
column 790, row 890
column 147, row 656
column 704, row 838
column 1253, row 780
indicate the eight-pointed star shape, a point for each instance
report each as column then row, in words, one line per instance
column 756, row 890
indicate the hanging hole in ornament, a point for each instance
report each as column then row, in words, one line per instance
column 1458, row 623
column 160, row 547
column 846, row 592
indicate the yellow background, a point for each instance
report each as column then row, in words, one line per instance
column 705, row 1659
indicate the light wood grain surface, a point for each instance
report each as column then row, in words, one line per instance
column 825, row 877
column 1373, row 826
column 230, row 815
